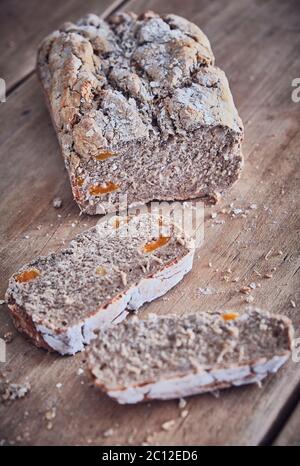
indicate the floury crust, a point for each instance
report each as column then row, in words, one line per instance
column 140, row 109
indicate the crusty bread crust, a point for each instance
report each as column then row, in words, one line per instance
column 140, row 110
column 24, row 324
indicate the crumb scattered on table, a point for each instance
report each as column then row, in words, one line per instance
column 168, row 425
column 14, row 391
column 57, row 203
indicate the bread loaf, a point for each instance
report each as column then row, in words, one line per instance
column 173, row 357
column 140, row 111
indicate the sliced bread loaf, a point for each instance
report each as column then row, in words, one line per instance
column 59, row 300
column 172, row 357
column 140, row 110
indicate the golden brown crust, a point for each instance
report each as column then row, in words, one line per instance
column 25, row 325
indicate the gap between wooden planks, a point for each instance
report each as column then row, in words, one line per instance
column 272, row 143
column 290, row 434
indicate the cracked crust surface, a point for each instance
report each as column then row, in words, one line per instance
column 169, row 356
column 59, row 300
column 140, row 109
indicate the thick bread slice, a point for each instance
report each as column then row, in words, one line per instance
column 140, row 110
column 172, row 357
column 59, row 300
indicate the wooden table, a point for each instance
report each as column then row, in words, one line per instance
column 257, row 43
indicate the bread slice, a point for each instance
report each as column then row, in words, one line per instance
column 59, row 300
column 140, row 110
column 172, row 357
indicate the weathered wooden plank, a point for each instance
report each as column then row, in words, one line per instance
column 290, row 434
column 24, row 24
column 257, row 44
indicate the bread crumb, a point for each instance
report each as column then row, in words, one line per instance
column 213, row 215
column 123, row 277
column 205, row 291
column 14, row 391
column 268, row 275
column 184, row 413
column 253, row 206
column 57, row 203
column 219, row 222
column 249, row 299
column 80, row 371
column 236, row 211
column 59, row 385
column 108, row 433
column 293, row 304
column 8, row 337
column 245, row 289
column 168, row 425
column 226, row 278
column 182, row 403
column 149, row 439
column 2, row 301
column 50, row 414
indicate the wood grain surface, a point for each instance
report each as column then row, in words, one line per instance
column 257, row 44
column 24, row 24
